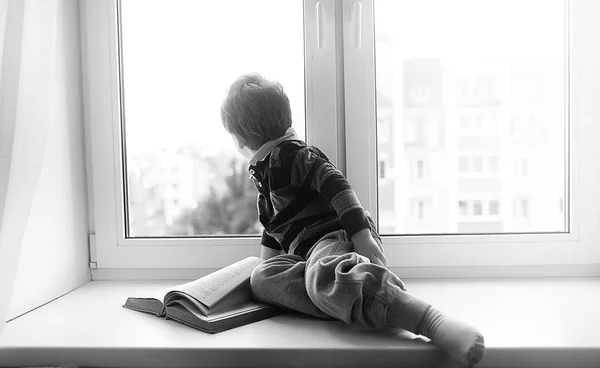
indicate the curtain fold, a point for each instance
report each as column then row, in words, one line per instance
column 27, row 110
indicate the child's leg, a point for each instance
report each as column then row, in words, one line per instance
column 347, row 286
column 280, row 281
column 461, row 341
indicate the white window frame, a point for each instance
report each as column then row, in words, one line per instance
column 110, row 250
column 340, row 115
column 577, row 249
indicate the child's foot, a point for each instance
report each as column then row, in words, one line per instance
column 461, row 341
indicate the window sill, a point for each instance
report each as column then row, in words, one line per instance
column 526, row 322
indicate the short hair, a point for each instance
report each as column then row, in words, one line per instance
column 256, row 110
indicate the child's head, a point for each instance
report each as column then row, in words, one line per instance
column 256, row 111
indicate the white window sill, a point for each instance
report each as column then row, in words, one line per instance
column 526, row 322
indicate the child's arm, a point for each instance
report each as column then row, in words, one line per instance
column 269, row 247
column 266, row 252
column 367, row 246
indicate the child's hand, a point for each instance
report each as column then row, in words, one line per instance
column 365, row 245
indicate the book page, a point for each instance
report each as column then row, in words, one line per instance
column 240, row 309
column 213, row 287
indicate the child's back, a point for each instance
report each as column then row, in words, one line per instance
column 302, row 196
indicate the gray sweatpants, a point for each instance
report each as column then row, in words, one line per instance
column 334, row 282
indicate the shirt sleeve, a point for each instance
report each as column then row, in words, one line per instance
column 269, row 241
column 311, row 168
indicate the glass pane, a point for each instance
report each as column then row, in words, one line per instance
column 179, row 57
column 474, row 91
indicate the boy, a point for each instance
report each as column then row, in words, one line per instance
column 323, row 256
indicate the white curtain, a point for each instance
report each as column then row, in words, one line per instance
column 27, row 78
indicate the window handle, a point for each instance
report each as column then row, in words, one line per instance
column 320, row 11
column 356, row 18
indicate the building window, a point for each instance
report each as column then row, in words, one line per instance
column 477, row 164
column 524, row 166
column 465, row 122
column 463, row 164
column 478, row 121
column 494, row 164
column 477, row 208
column 420, row 170
column 463, row 208
column 410, row 131
column 421, row 210
column 521, row 207
column 494, row 208
column 524, row 208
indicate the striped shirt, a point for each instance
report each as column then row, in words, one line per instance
column 302, row 196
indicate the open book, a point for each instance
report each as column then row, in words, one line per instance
column 216, row 302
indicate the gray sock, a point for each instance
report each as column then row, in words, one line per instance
column 461, row 341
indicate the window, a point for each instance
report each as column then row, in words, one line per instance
column 524, row 208
column 463, row 208
column 171, row 109
column 477, row 208
column 381, row 169
column 463, row 164
column 494, row 208
column 524, row 166
column 420, row 174
column 513, row 125
column 521, row 208
column 477, row 164
column 526, row 72
column 494, row 164
column 163, row 163
column 419, row 210
column 465, row 122
column 428, row 87
column 410, row 130
column 432, row 71
column 478, row 121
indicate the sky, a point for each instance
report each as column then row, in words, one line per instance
column 180, row 56
column 466, row 28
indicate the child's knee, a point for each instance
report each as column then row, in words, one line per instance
column 258, row 276
column 259, row 282
column 271, row 270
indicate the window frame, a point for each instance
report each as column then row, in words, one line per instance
column 338, row 49
column 575, row 247
column 101, row 98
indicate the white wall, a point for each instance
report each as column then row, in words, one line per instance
column 3, row 8
column 54, row 257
